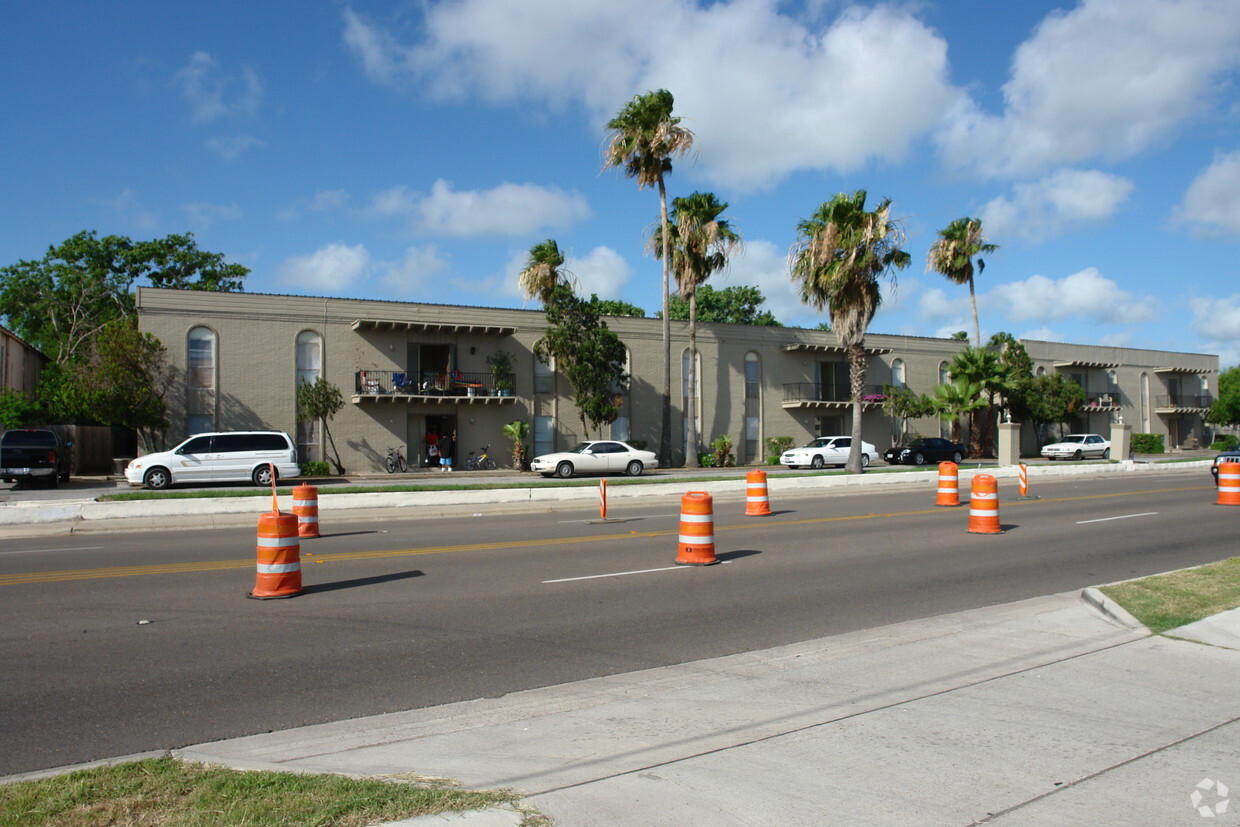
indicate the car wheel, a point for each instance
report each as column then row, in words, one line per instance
column 794, row 467
column 157, row 479
column 53, row 481
column 1077, row 455
column 919, row 458
column 564, row 470
column 1106, row 454
column 634, row 468
column 957, row 456
column 816, row 463
column 865, row 460
column 262, row 475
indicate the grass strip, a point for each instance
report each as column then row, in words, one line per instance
column 165, row 791
column 1168, row 601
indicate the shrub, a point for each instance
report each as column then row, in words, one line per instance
column 706, row 460
column 775, row 446
column 315, row 469
column 1148, row 444
column 722, row 447
column 1225, row 442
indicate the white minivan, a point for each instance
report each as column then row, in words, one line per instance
column 233, row 456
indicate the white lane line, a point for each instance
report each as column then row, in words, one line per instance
column 1122, row 517
column 41, row 550
column 626, row 573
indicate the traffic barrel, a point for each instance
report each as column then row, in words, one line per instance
column 949, row 484
column 1022, row 474
column 306, row 507
column 1229, row 483
column 757, row 503
column 279, row 557
column 602, row 499
column 697, row 530
column 984, row 506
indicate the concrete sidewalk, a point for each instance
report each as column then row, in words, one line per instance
column 1037, row 712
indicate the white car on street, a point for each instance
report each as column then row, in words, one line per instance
column 1078, row 446
column 606, row 456
column 827, row 450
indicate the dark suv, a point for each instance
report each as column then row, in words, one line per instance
column 34, row 454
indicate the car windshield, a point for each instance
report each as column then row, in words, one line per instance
column 818, row 443
column 1074, row 438
column 579, row 448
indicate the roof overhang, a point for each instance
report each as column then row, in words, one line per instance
column 432, row 327
column 1187, row 371
column 1081, row 363
column 804, row 347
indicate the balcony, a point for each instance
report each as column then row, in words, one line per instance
column 440, row 388
column 811, row 395
column 1102, row 402
column 1183, row 403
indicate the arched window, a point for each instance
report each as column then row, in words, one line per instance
column 200, row 379
column 753, row 408
column 1145, row 403
column 897, row 373
column 944, row 373
column 309, row 366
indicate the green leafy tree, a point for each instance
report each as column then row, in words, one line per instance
column 959, row 244
column 1225, row 410
column 702, row 241
column 60, row 302
column 960, row 336
column 1052, row 399
column 902, row 405
column 645, row 136
column 731, row 305
column 517, row 432
column 321, row 400
column 615, row 307
column 589, row 355
column 840, row 253
column 16, row 408
column 1020, row 373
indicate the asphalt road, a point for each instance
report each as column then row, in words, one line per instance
column 413, row 613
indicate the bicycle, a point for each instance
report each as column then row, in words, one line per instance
column 482, row 462
column 395, row 460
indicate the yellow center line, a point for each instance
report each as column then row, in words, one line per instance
column 223, row 565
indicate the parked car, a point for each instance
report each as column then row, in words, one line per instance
column 1226, row 456
column 926, row 449
column 29, row 454
column 1078, row 446
column 601, row 457
column 232, row 456
column 827, row 450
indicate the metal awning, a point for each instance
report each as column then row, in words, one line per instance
column 804, row 347
column 1190, row 371
column 433, row 327
column 1082, row 363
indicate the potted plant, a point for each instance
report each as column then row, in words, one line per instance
column 500, row 363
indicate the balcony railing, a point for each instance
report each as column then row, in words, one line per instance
column 1184, row 400
column 817, row 392
column 1102, row 401
column 431, row 383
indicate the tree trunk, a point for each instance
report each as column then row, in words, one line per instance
column 692, row 458
column 336, row 460
column 665, row 436
column 977, row 328
column 856, row 376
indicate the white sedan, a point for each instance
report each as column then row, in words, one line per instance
column 1078, row 446
column 827, row 450
column 602, row 457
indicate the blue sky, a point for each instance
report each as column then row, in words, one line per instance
column 415, row 150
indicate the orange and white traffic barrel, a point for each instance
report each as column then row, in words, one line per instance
column 306, row 507
column 1229, row 483
column 757, row 502
column 1022, row 474
column 949, row 484
column 984, row 506
column 602, row 499
column 279, row 557
column 697, row 530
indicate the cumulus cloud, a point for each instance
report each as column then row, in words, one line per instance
column 505, row 210
column 202, row 215
column 603, row 271
column 416, row 273
column 950, row 312
column 1066, row 200
column 1086, row 295
column 765, row 265
column 127, row 209
column 333, row 267
column 211, row 96
column 808, row 89
column 1211, row 206
column 233, row 147
column 1106, row 80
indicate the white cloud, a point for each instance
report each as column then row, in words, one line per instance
column 202, row 215
column 212, row 97
column 1211, row 206
column 323, row 201
column 954, row 312
column 1084, row 295
column 602, row 271
column 765, row 266
column 506, row 210
column 128, row 210
column 1218, row 320
column 333, row 267
column 1064, row 201
column 233, row 147
column 394, row 201
column 1106, row 80
column 416, row 274
column 824, row 97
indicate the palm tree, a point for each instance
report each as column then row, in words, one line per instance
column 952, row 255
column 701, row 242
column 987, row 370
column 836, row 262
column 644, row 137
column 956, row 398
column 543, row 271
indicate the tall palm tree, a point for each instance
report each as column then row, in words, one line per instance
column 701, row 242
column 840, row 252
column 644, row 137
column 543, row 271
column 952, row 255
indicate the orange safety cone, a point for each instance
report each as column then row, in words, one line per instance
column 279, row 557
column 602, row 499
column 697, row 530
column 984, row 506
column 1229, row 483
column 757, row 503
column 1022, row 475
column 306, row 507
column 949, row 484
